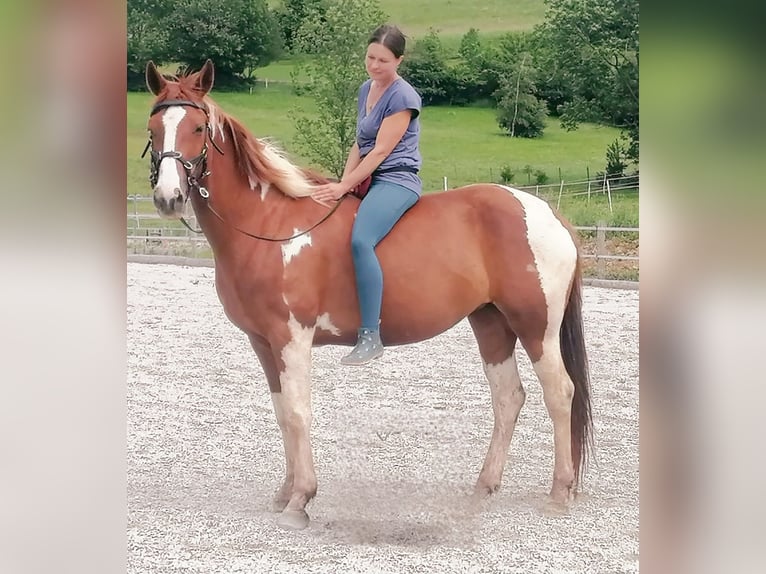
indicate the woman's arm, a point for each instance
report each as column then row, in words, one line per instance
column 390, row 133
column 353, row 160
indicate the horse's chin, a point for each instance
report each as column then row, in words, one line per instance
column 171, row 214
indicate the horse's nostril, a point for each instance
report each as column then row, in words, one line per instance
column 178, row 194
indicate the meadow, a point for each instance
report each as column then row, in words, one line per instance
column 455, row 17
column 462, row 144
column 465, row 145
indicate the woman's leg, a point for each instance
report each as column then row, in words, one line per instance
column 383, row 206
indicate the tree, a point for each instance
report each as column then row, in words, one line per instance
column 426, row 69
column 337, row 41
column 238, row 35
column 595, row 44
column 519, row 109
column 147, row 38
column 293, row 14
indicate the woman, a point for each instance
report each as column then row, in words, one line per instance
column 387, row 147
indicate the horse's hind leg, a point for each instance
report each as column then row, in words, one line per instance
column 497, row 344
column 558, row 391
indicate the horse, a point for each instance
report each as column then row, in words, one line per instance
column 284, row 276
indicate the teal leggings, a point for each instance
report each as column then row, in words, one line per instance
column 384, row 204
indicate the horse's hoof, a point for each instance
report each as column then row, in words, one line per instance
column 293, row 519
column 482, row 491
column 562, row 495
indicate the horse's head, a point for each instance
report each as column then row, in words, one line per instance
column 178, row 131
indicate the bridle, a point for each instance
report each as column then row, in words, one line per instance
column 196, row 171
column 196, row 164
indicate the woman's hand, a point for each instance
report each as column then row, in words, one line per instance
column 330, row 191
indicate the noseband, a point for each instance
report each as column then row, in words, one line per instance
column 196, row 167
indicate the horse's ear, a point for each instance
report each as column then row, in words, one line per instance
column 154, row 80
column 205, row 78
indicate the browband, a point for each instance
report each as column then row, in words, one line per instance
column 168, row 103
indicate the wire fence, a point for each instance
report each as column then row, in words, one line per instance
column 609, row 252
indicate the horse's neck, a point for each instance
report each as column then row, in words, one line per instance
column 235, row 202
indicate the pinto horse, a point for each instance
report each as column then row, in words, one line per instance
column 284, row 275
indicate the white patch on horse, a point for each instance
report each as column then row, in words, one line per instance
column 291, row 248
column 265, row 185
column 295, row 379
column 506, row 387
column 325, row 323
column 499, row 374
column 214, row 123
column 276, row 399
column 168, row 179
column 555, row 255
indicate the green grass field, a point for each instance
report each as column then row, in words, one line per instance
column 465, row 145
column 451, row 19
column 456, row 17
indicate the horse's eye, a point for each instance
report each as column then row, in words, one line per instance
column 199, row 129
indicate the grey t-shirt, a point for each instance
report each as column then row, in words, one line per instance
column 398, row 97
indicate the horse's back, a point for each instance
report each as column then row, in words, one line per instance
column 458, row 250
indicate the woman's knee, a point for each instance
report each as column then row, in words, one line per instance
column 361, row 244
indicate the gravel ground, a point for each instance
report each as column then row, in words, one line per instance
column 397, row 447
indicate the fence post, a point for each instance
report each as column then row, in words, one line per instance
column 135, row 211
column 445, row 183
column 600, row 249
column 609, row 195
column 561, row 190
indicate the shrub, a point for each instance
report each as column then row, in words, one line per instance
column 506, row 174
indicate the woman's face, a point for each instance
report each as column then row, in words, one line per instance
column 381, row 63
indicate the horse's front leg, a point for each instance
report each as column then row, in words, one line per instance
column 265, row 355
column 292, row 404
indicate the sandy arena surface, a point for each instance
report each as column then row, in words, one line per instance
column 397, row 447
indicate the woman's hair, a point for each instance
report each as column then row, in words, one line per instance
column 391, row 37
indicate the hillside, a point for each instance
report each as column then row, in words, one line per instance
column 456, row 17
column 453, row 18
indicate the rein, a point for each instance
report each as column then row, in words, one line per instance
column 274, row 239
column 194, row 181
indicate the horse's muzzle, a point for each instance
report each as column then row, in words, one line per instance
column 170, row 207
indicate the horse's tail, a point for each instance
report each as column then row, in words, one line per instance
column 576, row 363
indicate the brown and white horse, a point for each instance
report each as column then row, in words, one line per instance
column 496, row 255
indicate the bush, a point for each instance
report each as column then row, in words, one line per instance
column 541, row 178
column 507, row 174
column 616, row 159
column 520, row 112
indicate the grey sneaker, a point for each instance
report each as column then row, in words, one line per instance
column 368, row 347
